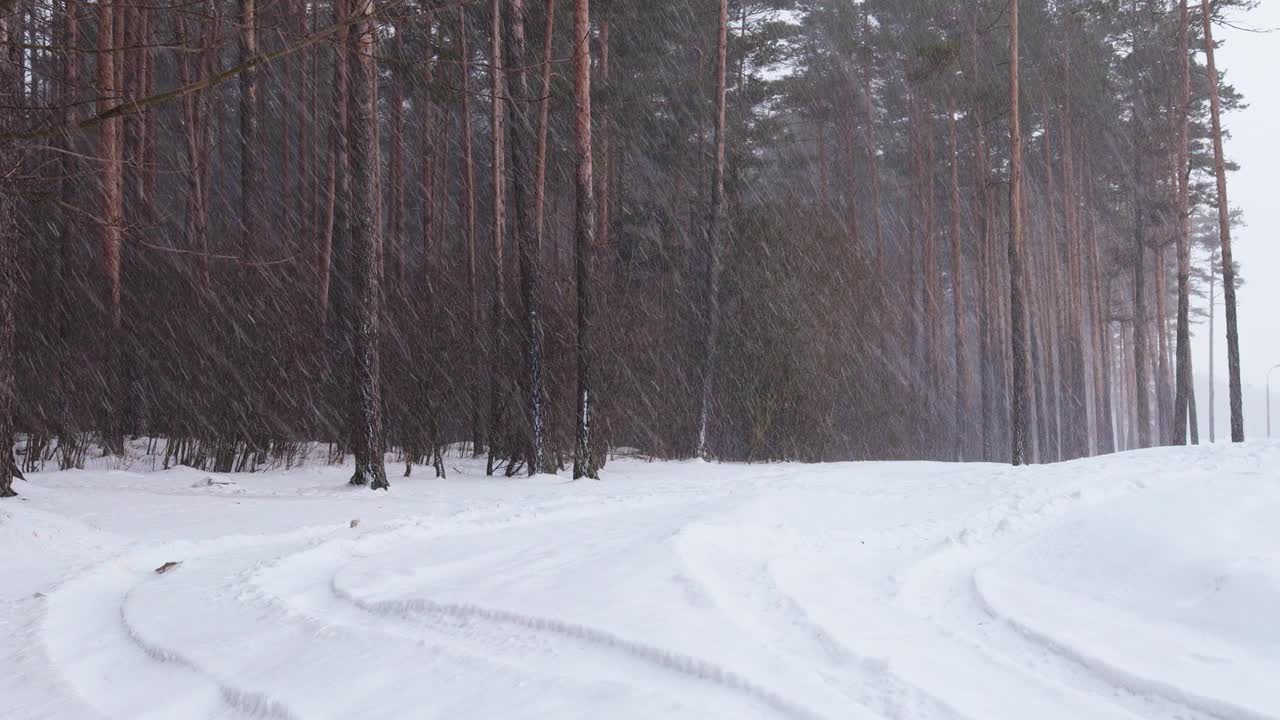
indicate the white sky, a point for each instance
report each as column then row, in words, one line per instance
column 1251, row 61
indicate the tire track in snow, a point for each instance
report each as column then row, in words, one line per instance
column 754, row 606
column 247, row 703
column 104, row 656
column 415, row 610
column 941, row 589
column 111, row 668
column 892, row 674
column 662, row 658
column 894, row 691
column 1134, row 683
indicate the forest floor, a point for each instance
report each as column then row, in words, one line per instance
column 1142, row 585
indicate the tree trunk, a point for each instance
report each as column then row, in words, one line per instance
column 1124, row 371
column 1053, row 378
column 397, row 276
column 69, row 232
column 336, row 199
column 469, row 234
column 584, row 236
column 933, row 277
column 340, row 292
column 605, row 170
column 249, row 149
column 1076, row 436
column 1141, row 386
column 1183, row 381
column 1193, row 418
column 424, row 304
column 873, row 155
column 523, row 160
column 1213, row 309
column 249, row 335
column 544, row 121
column 112, row 220
column 1162, row 373
column 1106, row 437
column 915, row 301
column 9, row 95
column 1020, row 402
column 851, row 174
column 824, row 197
column 365, row 239
column 1042, row 324
column 715, row 234
column 986, row 259
column 132, row 71
column 309, row 165
column 497, row 228
column 1141, row 381
column 957, row 292
column 195, row 109
column 430, row 151
column 1224, row 232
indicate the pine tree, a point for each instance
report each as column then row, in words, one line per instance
column 365, row 241
column 715, row 242
column 1183, row 387
column 1020, row 407
column 584, row 238
column 8, row 251
column 497, row 229
column 1224, row 231
column 523, row 171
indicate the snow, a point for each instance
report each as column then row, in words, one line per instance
column 1141, row 585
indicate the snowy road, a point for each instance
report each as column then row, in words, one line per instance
column 1136, row 586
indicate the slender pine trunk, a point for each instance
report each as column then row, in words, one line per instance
column 584, row 237
column 365, row 241
column 1182, row 397
column 1224, row 231
column 469, row 236
column 523, row 170
column 957, row 292
column 1019, row 332
column 715, row 241
column 497, row 230
column 9, row 95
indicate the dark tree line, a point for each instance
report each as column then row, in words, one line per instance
column 737, row 229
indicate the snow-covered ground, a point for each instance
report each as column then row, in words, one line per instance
column 1144, row 585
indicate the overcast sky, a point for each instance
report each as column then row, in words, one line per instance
column 1252, row 62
